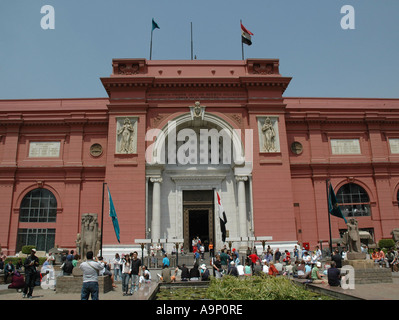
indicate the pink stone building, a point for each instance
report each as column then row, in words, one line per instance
column 158, row 143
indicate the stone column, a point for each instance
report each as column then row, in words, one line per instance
column 156, row 208
column 242, row 209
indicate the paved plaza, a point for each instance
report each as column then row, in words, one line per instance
column 376, row 291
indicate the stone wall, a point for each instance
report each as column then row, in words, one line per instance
column 71, row 284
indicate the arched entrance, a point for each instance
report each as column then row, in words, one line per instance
column 197, row 157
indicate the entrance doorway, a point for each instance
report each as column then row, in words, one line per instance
column 198, row 218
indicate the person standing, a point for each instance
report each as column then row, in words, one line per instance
column 135, row 272
column 253, row 258
column 125, row 274
column 117, row 266
column 165, row 261
column 223, row 260
column 67, row 267
column 31, row 263
column 337, row 258
column 70, row 256
column 211, row 253
column 296, row 253
column 217, row 267
column 91, row 269
column 202, row 251
column 277, row 255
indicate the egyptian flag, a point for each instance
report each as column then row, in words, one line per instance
column 222, row 218
column 333, row 207
column 246, row 35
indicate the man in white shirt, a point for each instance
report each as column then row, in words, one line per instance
column 91, row 270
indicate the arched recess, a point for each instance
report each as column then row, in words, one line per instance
column 155, row 153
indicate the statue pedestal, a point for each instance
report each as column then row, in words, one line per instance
column 356, row 255
column 71, row 284
column 365, row 272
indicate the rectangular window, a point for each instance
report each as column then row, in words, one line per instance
column 43, row 239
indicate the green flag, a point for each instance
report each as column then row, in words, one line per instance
column 112, row 214
column 154, row 25
column 333, row 207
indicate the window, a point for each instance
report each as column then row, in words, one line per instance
column 353, row 200
column 38, row 205
column 43, row 239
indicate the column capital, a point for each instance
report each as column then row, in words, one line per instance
column 241, row 178
column 156, row 179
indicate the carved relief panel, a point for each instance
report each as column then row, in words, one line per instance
column 126, row 135
column 268, row 134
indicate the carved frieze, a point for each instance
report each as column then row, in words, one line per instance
column 126, row 67
column 263, row 67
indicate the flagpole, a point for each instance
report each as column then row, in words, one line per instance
column 191, row 41
column 152, row 30
column 242, row 44
column 329, row 218
column 102, row 222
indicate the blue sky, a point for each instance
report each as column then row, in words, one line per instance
column 306, row 35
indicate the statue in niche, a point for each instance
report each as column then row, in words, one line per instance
column 90, row 235
column 269, row 135
column 126, row 134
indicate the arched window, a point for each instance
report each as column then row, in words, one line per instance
column 353, row 200
column 38, row 205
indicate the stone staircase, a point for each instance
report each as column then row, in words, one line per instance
column 187, row 259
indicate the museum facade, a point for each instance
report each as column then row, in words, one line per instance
column 172, row 135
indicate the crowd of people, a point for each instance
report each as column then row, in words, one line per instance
column 390, row 259
column 130, row 271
